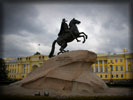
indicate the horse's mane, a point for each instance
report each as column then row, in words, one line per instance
column 71, row 22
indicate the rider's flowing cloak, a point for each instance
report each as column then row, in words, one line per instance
column 63, row 28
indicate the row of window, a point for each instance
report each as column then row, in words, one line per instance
column 15, row 65
column 101, row 76
column 11, row 65
column 105, row 61
column 12, row 76
column 41, row 57
column 116, row 60
column 100, row 62
column 29, row 58
column 116, row 68
column 113, row 76
column 12, row 70
column 15, row 71
column 112, row 68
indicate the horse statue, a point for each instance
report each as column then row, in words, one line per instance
column 67, row 36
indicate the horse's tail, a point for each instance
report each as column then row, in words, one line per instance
column 52, row 50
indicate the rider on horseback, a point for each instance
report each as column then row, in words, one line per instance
column 67, row 35
column 64, row 29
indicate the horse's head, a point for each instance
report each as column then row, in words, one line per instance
column 75, row 21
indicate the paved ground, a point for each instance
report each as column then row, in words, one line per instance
column 17, row 90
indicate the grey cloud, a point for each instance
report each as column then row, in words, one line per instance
column 40, row 23
column 18, row 17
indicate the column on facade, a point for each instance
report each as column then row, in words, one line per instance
column 93, row 67
column 23, row 68
column 98, row 66
column 126, row 65
column 19, row 69
column 131, row 64
column 103, row 65
column 28, row 68
column 16, row 68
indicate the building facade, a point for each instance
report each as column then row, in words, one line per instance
column 114, row 67
column 20, row 67
column 108, row 67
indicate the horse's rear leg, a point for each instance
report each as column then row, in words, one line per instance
column 63, row 46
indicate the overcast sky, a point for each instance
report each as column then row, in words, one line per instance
column 28, row 24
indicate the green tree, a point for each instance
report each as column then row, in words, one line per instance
column 3, row 71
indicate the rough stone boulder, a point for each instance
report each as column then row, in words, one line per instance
column 70, row 71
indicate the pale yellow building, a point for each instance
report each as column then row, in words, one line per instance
column 20, row 67
column 114, row 67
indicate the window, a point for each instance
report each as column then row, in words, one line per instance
column 101, row 69
column 116, row 60
column 112, row 76
column 116, row 68
column 121, row 60
column 121, row 68
column 24, row 68
column 101, row 76
column 106, row 69
column 105, row 76
column 96, row 69
column 129, row 60
column 111, row 61
column 129, row 68
column 92, row 68
column 121, row 75
column 111, row 68
column 116, row 76
column 22, row 76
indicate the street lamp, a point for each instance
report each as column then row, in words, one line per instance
column 111, row 67
column 111, row 80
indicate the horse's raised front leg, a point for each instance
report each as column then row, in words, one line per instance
column 84, row 34
column 84, row 39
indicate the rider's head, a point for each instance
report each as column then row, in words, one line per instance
column 64, row 20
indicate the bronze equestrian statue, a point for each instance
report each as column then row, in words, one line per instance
column 67, row 34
